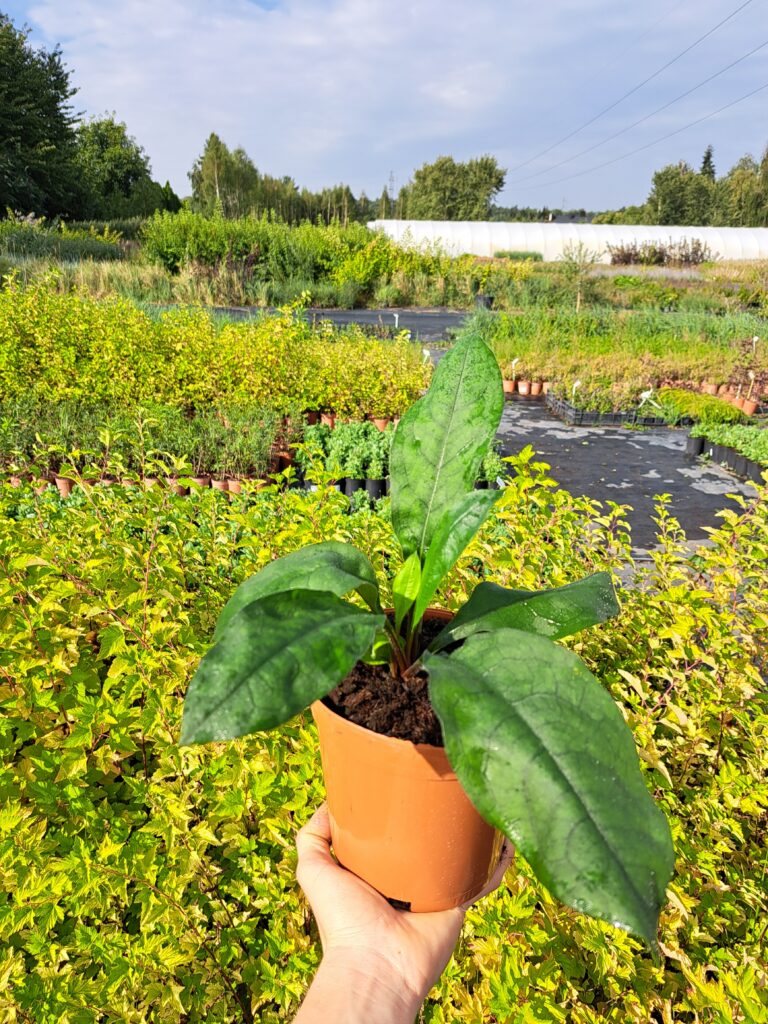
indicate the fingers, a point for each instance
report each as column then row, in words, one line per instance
column 507, row 858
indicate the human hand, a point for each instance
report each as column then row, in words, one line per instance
column 359, row 930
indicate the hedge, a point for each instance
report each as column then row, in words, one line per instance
column 144, row 883
column 56, row 346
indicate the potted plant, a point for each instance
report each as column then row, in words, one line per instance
column 509, row 380
column 377, row 463
column 521, row 738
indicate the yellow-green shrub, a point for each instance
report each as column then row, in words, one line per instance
column 70, row 346
column 141, row 883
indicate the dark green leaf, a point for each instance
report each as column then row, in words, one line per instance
column 553, row 613
column 330, row 566
column 276, row 656
column 459, row 524
column 544, row 754
column 440, row 442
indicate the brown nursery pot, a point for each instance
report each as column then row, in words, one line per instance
column 234, row 486
column 148, row 482
column 709, row 389
column 509, row 387
column 328, row 419
column 524, row 387
column 64, row 485
column 536, row 387
column 219, row 485
column 724, row 389
column 381, row 423
column 545, row 386
column 201, row 481
column 400, row 818
column 312, row 417
column 737, row 402
column 175, row 487
column 749, row 407
column 15, row 481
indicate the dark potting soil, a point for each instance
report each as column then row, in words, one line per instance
column 370, row 696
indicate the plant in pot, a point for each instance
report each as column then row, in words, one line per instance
column 377, row 463
column 509, row 375
column 470, row 725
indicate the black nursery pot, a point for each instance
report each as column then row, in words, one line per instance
column 352, row 484
column 694, row 446
column 755, row 471
column 375, row 488
column 739, row 464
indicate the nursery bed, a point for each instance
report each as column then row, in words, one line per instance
column 625, row 466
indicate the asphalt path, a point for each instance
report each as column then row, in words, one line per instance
column 424, row 324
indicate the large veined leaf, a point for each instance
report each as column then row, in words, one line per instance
column 440, row 442
column 330, row 566
column 544, row 754
column 554, row 613
column 276, row 656
column 459, row 524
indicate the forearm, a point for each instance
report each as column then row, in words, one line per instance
column 346, row 992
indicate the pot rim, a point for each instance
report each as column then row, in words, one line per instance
column 441, row 614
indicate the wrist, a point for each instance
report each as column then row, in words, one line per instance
column 352, row 987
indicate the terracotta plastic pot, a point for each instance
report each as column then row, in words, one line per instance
column 737, row 402
column 175, row 487
column 234, row 486
column 709, row 389
column 219, row 485
column 64, row 485
column 312, row 417
column 201, row 481
column 749, row 407
column 509, row 387
column 400, row 818
column 381, row 423
column 328, row 419
column 545, row 386
column 536, row 386
column 524, row 387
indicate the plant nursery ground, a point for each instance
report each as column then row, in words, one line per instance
column 629, row 467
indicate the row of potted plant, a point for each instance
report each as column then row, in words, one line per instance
column 742, row 449
column 229, row 441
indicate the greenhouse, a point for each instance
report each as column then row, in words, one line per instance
column 485, row 238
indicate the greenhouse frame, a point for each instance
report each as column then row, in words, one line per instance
column 485, row 238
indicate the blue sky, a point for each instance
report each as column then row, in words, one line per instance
column 358, row 90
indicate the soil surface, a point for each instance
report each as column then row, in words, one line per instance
column 372, row 697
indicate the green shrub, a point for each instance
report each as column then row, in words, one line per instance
column 58, row 346
column 146, row 883
column 513, row 254
column 678, row 404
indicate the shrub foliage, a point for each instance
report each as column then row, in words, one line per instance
column 141, row 882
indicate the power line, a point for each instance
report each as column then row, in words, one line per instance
column 648, row 145
column 623, row 131
column 633, row 90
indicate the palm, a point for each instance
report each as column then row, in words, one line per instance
column 352, row 915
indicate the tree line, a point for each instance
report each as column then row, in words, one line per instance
column 54, row 163
column 681, row 195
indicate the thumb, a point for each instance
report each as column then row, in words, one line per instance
column 313, row 845
column 506, row 859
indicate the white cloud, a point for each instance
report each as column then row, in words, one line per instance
column 332, row 90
